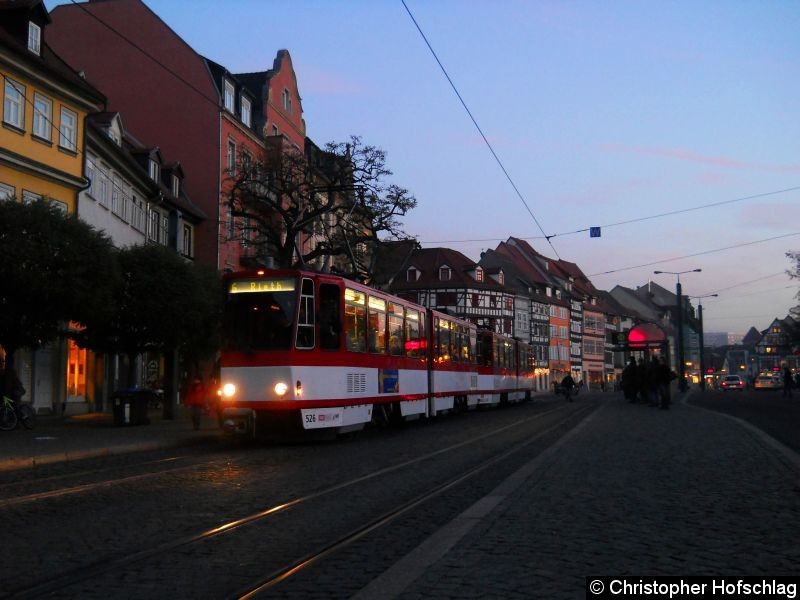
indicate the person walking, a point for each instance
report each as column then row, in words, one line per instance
column 568, row 385
column 628, row 382
column 664, row 377
column 787, row 382
column 196, row 401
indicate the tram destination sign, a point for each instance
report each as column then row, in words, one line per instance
column 256, row 285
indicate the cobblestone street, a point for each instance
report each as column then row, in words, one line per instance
column 636, row 491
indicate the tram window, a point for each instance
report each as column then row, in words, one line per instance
column 473, row 345
column 395, row 319
column 463, row 344
column 376, row 325
column 415, row 338
column 355, row 320
column 443, row 339
column 330, row 325
column 305, row 320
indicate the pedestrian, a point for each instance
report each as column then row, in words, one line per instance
column 628, row 382
column 196, row 401
column 12, row 386
column 787, row 382
column 664, row 376
column 652, row 382
column 568, row 384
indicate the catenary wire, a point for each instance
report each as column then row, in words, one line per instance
column 665, row 260
column 629, row 221
column 201, row 93
column 475, row 122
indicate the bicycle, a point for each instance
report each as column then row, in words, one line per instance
column 12, row 414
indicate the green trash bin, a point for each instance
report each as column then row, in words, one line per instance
column 130, row 406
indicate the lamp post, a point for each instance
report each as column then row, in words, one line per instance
column 681, row 365
column 702, row 349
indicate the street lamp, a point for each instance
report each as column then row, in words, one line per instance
column 702, row 349
column 681, row 365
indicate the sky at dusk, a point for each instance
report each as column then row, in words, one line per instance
column 601, row 112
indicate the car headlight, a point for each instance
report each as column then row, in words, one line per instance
column 228, row 390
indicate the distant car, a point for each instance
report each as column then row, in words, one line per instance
column 768, row 382
column 732, row 382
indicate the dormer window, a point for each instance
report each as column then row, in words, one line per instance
column 228, row 96
column 34, row 38
column 478, row 274
column 287, row 101
column 549, row 291
column 275, row 131
column 176, row 186
column 412, row 274
column 152, row 170
column 445, row 273
column 246, row 111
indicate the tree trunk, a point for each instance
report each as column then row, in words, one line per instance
column 170, row 383
column 130, row 379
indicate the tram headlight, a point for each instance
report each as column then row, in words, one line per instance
column 281, row 389
column 228, row 390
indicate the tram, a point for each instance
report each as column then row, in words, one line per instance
column 311, row 350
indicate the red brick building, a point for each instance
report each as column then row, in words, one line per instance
column 190, row 106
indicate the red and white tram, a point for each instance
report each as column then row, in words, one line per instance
column 319, row 351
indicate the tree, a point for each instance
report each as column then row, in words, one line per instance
column 331, row 205
column 160, row 303
column 54, row 269
column 795, row 274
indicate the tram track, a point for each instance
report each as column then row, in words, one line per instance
column 8, row 500
column 120, row 563
column 280, row 575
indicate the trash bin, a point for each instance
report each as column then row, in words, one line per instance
column 130, row 406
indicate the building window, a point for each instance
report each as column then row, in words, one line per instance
column 287, row 101
column 30, row 197
column 187, row 240
column 444, row 273
column 246, row 111
column 34, row 38
column 478, row 274
column 275, row 130
column 42, row 116
column 228, row 97
column 7, row 192
column 412, row 274
column 13, row 104
column 68, row 130
column 137, row 214
column 176, row 186
column 247, row 163
column 105, row 189
column 231, row 157
column 153, row 170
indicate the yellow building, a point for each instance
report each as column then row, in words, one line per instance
column 45, row 104
column 42, row 128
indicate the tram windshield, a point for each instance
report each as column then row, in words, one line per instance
column 259, row 317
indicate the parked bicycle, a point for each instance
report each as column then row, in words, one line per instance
column 13, row 414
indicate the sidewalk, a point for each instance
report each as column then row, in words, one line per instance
column 58, row 439
column 632, row 491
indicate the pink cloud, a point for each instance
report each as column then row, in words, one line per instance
column 329, row 84
column 695, row 157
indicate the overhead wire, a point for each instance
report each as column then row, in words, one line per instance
column 658, row 262
column 629, row 221
column 478, row 127
column 201, row 93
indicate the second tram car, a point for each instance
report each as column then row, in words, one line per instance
column 315, row 351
